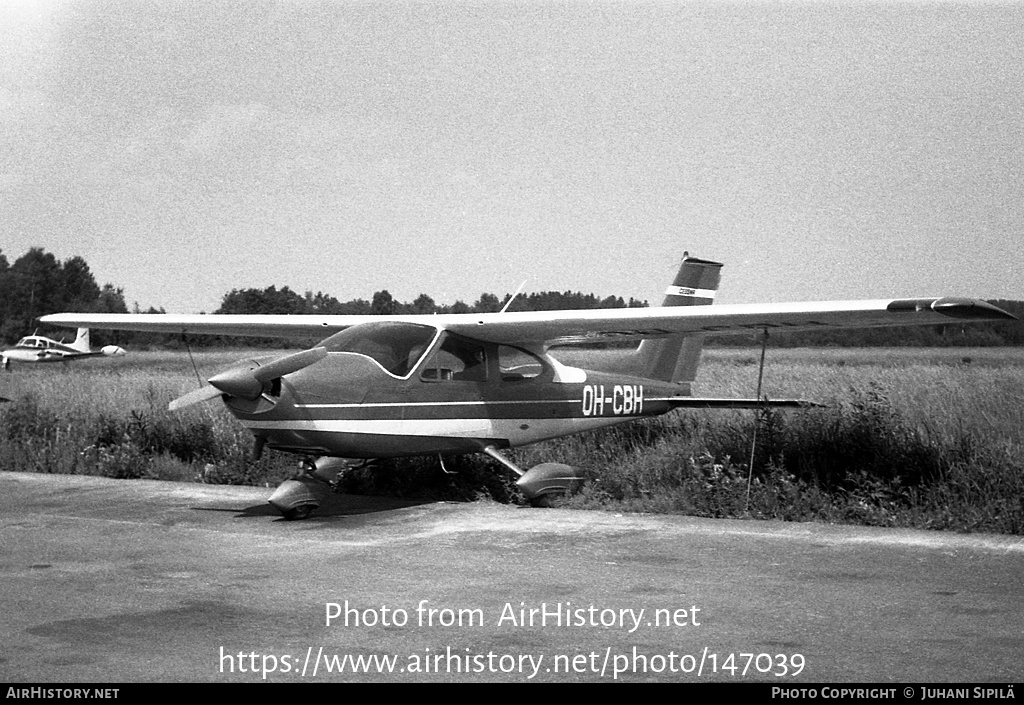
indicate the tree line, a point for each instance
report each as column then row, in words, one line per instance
column 37, row 283
column 273, row 300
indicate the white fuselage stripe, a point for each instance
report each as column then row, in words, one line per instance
column 382, row 405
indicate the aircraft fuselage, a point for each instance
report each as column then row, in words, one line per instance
column 36, row 348
column 43, row 351
column 349, row 405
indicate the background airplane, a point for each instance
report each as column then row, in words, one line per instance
column 36, row 348
column 392, row 386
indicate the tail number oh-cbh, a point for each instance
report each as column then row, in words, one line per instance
column 624, row 400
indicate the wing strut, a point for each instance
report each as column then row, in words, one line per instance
column 512, row 298
column 757, row 419
column 184, row 339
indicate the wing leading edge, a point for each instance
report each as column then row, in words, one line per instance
column 568, row 327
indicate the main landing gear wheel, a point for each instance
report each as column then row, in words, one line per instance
column 543, row 483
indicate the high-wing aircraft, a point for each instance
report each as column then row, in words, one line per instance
column 390, row 386
column 36, row 348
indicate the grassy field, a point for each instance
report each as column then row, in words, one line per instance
column 928, row 438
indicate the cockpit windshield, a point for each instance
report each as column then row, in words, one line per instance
column 395, row 346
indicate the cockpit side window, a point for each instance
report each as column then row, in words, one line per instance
column 457, row 359
column 395, row 346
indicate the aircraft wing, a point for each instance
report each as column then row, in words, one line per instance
column 568, row 327
column 261, row 325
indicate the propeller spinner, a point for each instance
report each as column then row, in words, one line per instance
column 248, row 381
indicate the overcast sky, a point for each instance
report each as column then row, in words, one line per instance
column 820, row 150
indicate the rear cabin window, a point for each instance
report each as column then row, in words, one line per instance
column 517, row 365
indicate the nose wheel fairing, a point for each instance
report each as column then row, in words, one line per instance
column 298, row 497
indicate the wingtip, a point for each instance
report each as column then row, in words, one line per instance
column 953, row 307
column 971, row 309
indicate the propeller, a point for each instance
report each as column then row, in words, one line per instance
column 249, row 380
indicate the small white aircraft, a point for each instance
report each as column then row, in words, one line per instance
column 391, row 386
column 36, row 348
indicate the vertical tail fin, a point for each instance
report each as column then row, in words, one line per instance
column 675, row 359
column 82, row 340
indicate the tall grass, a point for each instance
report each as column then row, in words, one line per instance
column 918, row 438
column 903, row 442
column 109, row 417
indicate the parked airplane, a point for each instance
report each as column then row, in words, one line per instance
column 36, row 348
column 390, row 386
